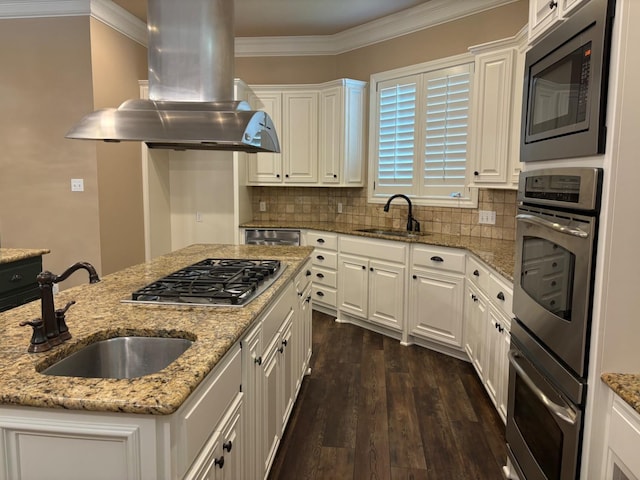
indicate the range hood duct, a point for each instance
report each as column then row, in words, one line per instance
column 191, row 62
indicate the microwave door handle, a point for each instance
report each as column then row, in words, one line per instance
column 576, row 232
column 563, row 413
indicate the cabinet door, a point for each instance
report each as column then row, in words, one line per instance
column 300, row 136
column 493, row 99
column 475, row 306
column 290, row 371
column 231, row 444
column 306, row 314
column 353, row 285
column 330, row 136
column 436, row 306
column 386, row 294
column 271, row 404
column 267, row 167
column 493, row 361
column 252, row 376
column 542, row 15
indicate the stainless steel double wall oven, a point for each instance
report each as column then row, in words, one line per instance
column 556, row 239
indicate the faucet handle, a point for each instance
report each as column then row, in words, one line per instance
column 62, row 325
column 39, row 341
column 416, row 225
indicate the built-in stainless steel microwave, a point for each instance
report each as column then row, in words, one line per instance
column 565, row 87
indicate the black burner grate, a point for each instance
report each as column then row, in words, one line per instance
column 212, row 281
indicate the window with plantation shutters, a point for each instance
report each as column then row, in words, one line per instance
column 419, row 131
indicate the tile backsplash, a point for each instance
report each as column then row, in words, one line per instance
column 301, row 204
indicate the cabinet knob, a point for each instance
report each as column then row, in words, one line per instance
column 371, row 269
column 363, row 267
column 500, row 296
column 476, row 173
column 415, row 277
column 335, row 176
column 227, row 446
column 299, row 294
column 277, row 175
column 16, row 277
column 285, row 342
column 308, row 299
column 258, row 360
column 552, row 4
column 281, row 349
column 219, row 461
column 308, row 273
column 476, row 273
column 286, row 175
column 437, row 259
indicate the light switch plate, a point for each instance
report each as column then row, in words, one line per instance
column 487, row 217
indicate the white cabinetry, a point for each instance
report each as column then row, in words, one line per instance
column 320, row 127
column 546, row 14
column 488, row 305
column 622, row 460
column 497, row 105
column 371, row 281
column 436, row 293
column 295, row 116
column 324, row 269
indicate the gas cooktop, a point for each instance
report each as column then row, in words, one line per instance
column 212, row 282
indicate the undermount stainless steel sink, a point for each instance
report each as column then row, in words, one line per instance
column 120, row 357
column 396, row 233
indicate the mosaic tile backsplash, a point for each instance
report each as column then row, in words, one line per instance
column 299, row 204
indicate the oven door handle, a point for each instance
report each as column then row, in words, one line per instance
column 576, row 232
column 566, row 414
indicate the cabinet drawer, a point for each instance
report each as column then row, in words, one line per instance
column 324, row 240
column 326, row 277
column 439, row 258
column 477, row 274
column 624, row 434
column 20, row 274
column 203, row 414
column 324, row 295
column 379, row 249
column 501, row 295
column 325, row 258
column 304, row 277
column 19, row 297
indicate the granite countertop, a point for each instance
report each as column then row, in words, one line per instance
column 8, row 255
column 499, row 254
column 99, row 314
column 626, row 386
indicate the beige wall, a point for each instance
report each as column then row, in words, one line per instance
column 118, row 63
column 49, row 76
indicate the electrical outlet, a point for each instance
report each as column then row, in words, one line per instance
column 487, row 217
column 77, row 185
column 198, row 216
column 263, row 206
column 339, row 207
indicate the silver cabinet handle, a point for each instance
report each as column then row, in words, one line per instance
column 565, row 414
column 576, row 232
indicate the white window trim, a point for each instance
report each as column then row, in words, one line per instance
column 471, row 201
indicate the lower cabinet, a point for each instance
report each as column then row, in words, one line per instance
column 487, row 320
column 18, row 283
column 622, row 460
column 372, row 287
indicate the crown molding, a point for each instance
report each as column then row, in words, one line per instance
column 103, row 10
column 429, row 14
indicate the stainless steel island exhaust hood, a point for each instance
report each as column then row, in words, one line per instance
column 190, row 106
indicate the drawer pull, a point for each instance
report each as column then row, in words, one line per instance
column 320, row 240
column 227, row 446
column 308, row 299
column 16, row 277
column 320, row 294
column 308, row 273
column 219, row 462
column 319, row 275
column 258, row 360
column 476, row 273
column 437, row 259
column 500, row 296
column 319, row 257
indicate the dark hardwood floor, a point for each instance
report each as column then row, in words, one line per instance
column 374, row 409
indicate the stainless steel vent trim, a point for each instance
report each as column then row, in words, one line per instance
column 191, row 57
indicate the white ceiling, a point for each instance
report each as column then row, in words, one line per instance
column 267, row 18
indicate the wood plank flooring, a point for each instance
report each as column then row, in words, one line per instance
column 373, row 409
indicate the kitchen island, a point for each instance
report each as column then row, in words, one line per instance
column 153, row 407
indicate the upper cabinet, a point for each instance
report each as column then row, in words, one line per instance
column 320, row 128
column 497, row 104
column 545, row 14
